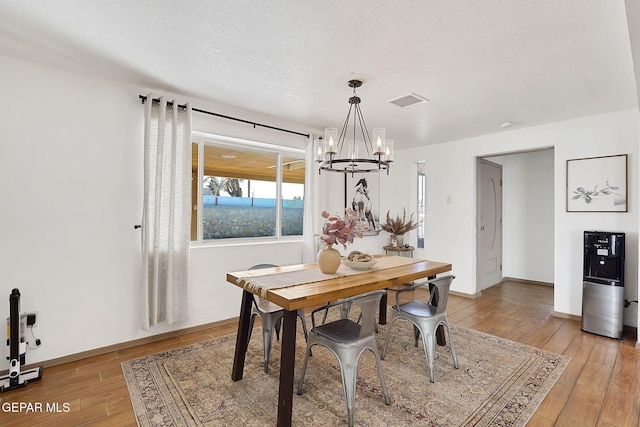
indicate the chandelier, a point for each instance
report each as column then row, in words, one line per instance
column 372, row 154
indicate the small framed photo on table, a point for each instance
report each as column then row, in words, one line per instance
column 597, row 184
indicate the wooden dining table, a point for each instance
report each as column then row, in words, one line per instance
column 304, row 286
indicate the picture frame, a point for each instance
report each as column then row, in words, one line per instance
column 597, row 184
column 362, row 194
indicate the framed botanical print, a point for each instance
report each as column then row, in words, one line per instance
column 362, row 194
column 597, row 184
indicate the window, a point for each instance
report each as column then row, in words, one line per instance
column 247, row 190
column 422, row 202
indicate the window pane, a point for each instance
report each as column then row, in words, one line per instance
column 422, row 202
column 293, row 172
column 292, row 209
column 239, row 190
column 238, row 194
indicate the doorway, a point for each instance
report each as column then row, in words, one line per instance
column 527, row 226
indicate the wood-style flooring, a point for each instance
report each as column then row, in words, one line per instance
column 600, row 387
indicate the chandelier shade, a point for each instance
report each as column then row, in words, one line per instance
column 353, row 150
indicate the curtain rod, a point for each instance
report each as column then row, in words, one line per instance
column 144, row 98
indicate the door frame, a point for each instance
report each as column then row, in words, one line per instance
column 485, row 157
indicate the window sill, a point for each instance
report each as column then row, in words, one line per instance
column 245, row 242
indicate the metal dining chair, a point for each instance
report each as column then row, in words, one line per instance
column 426, row 317
column 271, row 318
column 347, row 340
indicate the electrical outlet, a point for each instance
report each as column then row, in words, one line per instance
column 31, row 319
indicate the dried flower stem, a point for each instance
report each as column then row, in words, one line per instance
column 399, row 225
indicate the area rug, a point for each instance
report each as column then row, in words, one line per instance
column 499, row 382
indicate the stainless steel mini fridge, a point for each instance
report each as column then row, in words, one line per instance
column 603, row 283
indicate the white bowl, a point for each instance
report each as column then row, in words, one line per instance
column 365, row 265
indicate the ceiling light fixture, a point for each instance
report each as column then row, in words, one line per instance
column 377, row 153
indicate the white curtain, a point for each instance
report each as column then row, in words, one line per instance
column 316, row 199
column 166, row 213
column 310, row 204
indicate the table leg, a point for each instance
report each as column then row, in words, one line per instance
column 242, row 336
column 383, row 310
column 287, row 365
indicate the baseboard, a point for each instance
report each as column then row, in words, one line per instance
column 465, row 295
column 125, row 345
column 533, row 282
column 566, row 316
column 633, row 331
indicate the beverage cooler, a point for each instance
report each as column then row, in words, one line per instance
column 603, row 283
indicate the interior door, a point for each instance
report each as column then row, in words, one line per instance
column 489, row 224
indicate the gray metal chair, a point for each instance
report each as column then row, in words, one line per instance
column 271, row 318
column 347, row 340
column 426, row 317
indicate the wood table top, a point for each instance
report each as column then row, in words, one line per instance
column 319, row 292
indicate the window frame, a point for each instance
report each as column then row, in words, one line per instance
column 421, row 196
column 202, row 139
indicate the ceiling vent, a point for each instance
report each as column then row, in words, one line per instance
column 408, row 100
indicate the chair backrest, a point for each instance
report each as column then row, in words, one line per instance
column 368, row 303
column 440, row 290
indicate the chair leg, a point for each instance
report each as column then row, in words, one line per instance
column 304, row 324
column 344, row 310
column 277, row 328
column 251, row 319
column 429, row 342
column 386, row 341
column 451, row 349
column 304, row 368
column 266, row 339
column 387, row 400
column 416, row 334
column 349, row 370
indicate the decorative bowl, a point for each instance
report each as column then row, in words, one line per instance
column 359, row 265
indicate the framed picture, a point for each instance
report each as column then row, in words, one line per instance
column 597, row 184
column 362, row 194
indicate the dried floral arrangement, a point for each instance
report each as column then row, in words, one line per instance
column 399, row 225
column 342, row 230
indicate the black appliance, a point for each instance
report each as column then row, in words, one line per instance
column 17, row 346
column 603, row 283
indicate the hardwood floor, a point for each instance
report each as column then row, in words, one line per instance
column 600, row 387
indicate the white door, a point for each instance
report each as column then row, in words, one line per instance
column 489, row 224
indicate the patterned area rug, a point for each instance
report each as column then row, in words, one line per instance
column 498, row 383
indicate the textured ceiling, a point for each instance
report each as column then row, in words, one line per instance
column 480, row 63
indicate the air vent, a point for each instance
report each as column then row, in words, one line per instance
column 408, row 100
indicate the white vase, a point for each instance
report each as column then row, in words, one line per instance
column 329, row 259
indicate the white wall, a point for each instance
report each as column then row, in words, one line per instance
column 528, row 229
column 451, row 171
column 71, row 184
